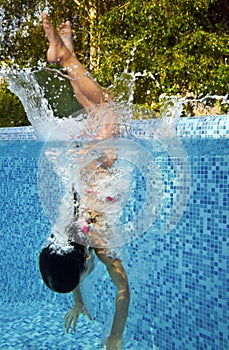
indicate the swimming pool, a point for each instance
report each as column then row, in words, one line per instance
column 178, row 280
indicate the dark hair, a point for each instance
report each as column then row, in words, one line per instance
column 61, row 271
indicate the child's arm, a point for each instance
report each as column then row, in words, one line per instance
column 118, row 276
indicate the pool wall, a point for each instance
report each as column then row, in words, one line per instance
column 179, row 281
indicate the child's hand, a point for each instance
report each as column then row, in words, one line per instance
column 71, row 317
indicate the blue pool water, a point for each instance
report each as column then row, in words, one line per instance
column 178, row 280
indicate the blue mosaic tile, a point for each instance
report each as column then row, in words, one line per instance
column 178, row 281
column 39, row 326
column 17, row 133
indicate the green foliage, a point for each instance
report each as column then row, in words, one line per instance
column 179, row 47
column 11, row 110
column 174, row 42
column 58, row 92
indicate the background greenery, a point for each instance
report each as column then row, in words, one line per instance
column 179, row 47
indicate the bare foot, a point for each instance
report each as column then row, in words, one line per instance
column 57, row 50
column 65, row 32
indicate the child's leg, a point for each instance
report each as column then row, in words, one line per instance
column 87, row 91
column 102, row 120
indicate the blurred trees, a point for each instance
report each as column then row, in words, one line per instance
column 11, row 110
column 182, row 45
column 176, row 47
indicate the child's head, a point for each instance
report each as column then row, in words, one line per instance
column 61, row 270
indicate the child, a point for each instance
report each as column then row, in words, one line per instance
column 64, row 264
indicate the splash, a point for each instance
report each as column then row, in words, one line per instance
column 133, row 195
column 130, row 197
column 23, row 83
column 29, row 86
